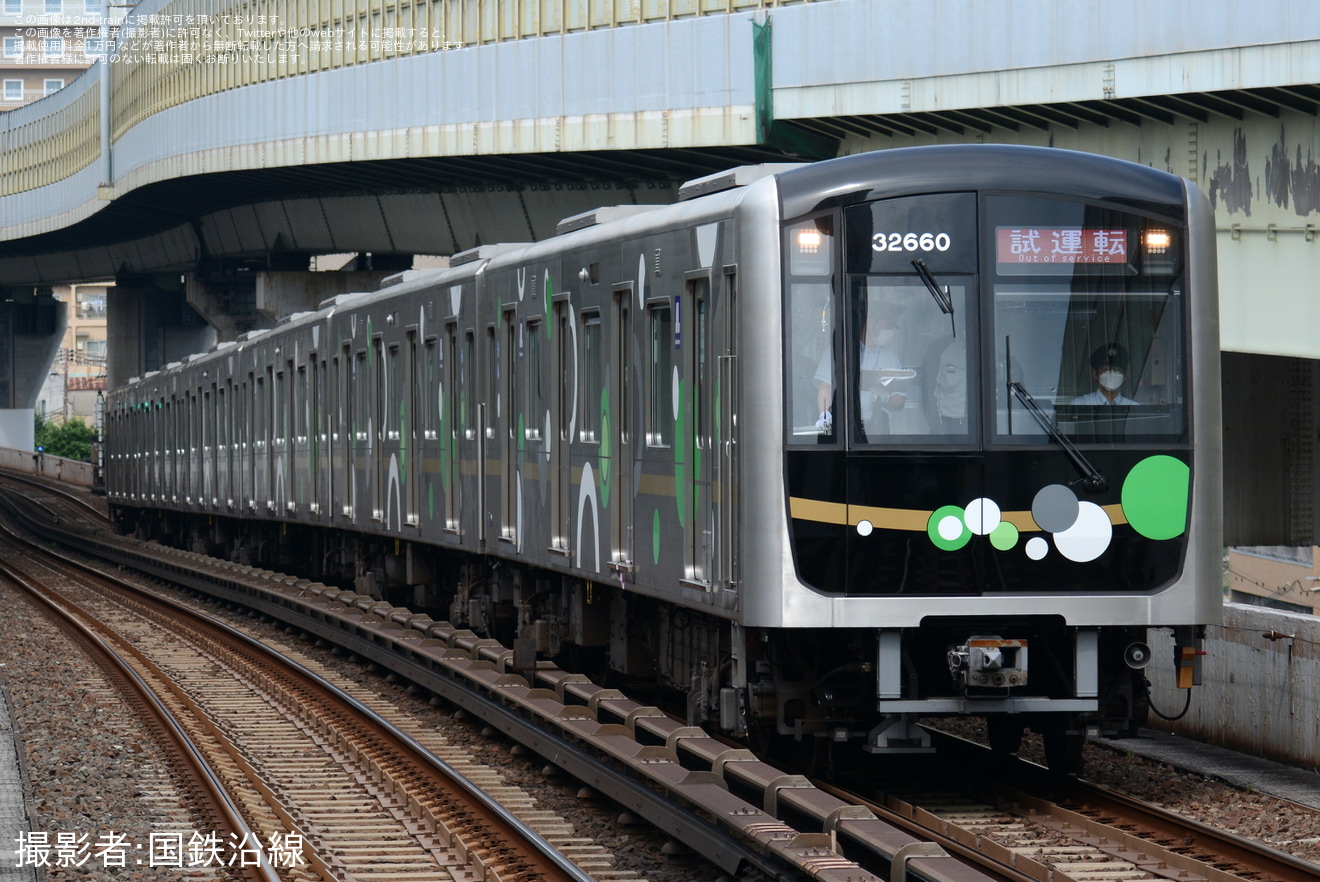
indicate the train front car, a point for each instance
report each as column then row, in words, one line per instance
column 1001, row 458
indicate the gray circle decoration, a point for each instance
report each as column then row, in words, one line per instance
column 1055, row 508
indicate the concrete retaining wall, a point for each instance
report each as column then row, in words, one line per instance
column 1260, row 695
column 71, row 471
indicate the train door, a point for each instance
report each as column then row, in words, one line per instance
column 172, row 418
column 279, row 439
column 724, row 494
column 248, row 452
column 431, row 370
column 535, row 333
column 341, row 458
column 509, row 406
column 321, row 405
column 593, row 365
column 696, row 447
column 386, row 432
column 332, row 416
column 490, row 443
column 300, row 481
column 470, row 448
column 565, row 386
column 310, row 405
column 193, row 449
column 226, row 439
column 620, row 430
column 270, row 437
column 211, row 450
column 355, row 367
column 411, row 432
column 453, row 425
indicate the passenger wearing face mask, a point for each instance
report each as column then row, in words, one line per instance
column 1109, row 366
column 878, row 395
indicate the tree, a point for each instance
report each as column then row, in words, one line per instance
column 71, row 439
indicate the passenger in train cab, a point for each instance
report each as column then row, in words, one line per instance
column 879, row 365
column 1109, row 367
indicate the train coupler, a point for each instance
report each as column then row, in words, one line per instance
column 989, row 663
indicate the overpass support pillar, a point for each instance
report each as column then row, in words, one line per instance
column 260, row 299
column 281, row 294
column 32, row 326
column 147, row 327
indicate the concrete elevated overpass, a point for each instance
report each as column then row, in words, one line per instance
column 232, row 143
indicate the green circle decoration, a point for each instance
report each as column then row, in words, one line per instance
column 945, row 517
column 655, row 536
column 1004, row 537
column 1155, row 497
column 605, row 463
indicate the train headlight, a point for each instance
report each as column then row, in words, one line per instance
column 1157, row 241
column 810, row 248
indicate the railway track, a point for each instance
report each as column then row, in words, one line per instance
column 188, row 796
column 1058, row 829
column 828, row 834
column 326, row 785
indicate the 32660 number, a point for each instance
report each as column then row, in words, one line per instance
column 910, row 242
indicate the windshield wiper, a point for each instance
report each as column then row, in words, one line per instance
column 942, row 297
column 1092, row 480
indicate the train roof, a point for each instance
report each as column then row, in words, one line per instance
column 905, row 171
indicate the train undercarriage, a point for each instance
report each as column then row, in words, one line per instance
column 818, row 693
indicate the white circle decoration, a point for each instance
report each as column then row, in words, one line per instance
column 1037, row 548
column 675, row 392
column 983, row 515
column 950, row 528
column 1089, row 535
column 864, row 528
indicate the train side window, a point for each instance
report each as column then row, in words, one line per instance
column 300, row 404
column 811, row 326
column 535, row 391
column 434, row 358
column 564, row 387
column 467, row 395
column 259, row 412
column 593, row 359
column 389, row 377
column 281, row 412
column 660, row 422
column 492, row 381
column 362, row 398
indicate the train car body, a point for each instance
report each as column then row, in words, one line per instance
column 823, row 448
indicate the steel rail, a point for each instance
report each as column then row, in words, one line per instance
column 555, row 861
column 696, row 808
column 161, row 717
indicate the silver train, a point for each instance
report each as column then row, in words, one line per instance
column 819, row 449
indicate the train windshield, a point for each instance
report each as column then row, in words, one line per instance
column 888, row 357
column 1080, row 336
column 1087, row 324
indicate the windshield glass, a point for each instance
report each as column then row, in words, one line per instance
column 907, row 365
column 1088, row 318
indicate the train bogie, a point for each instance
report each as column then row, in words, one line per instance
column 821, row 450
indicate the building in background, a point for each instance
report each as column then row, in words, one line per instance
column 46, row 44
column 1277, row 577
column 75, row 386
